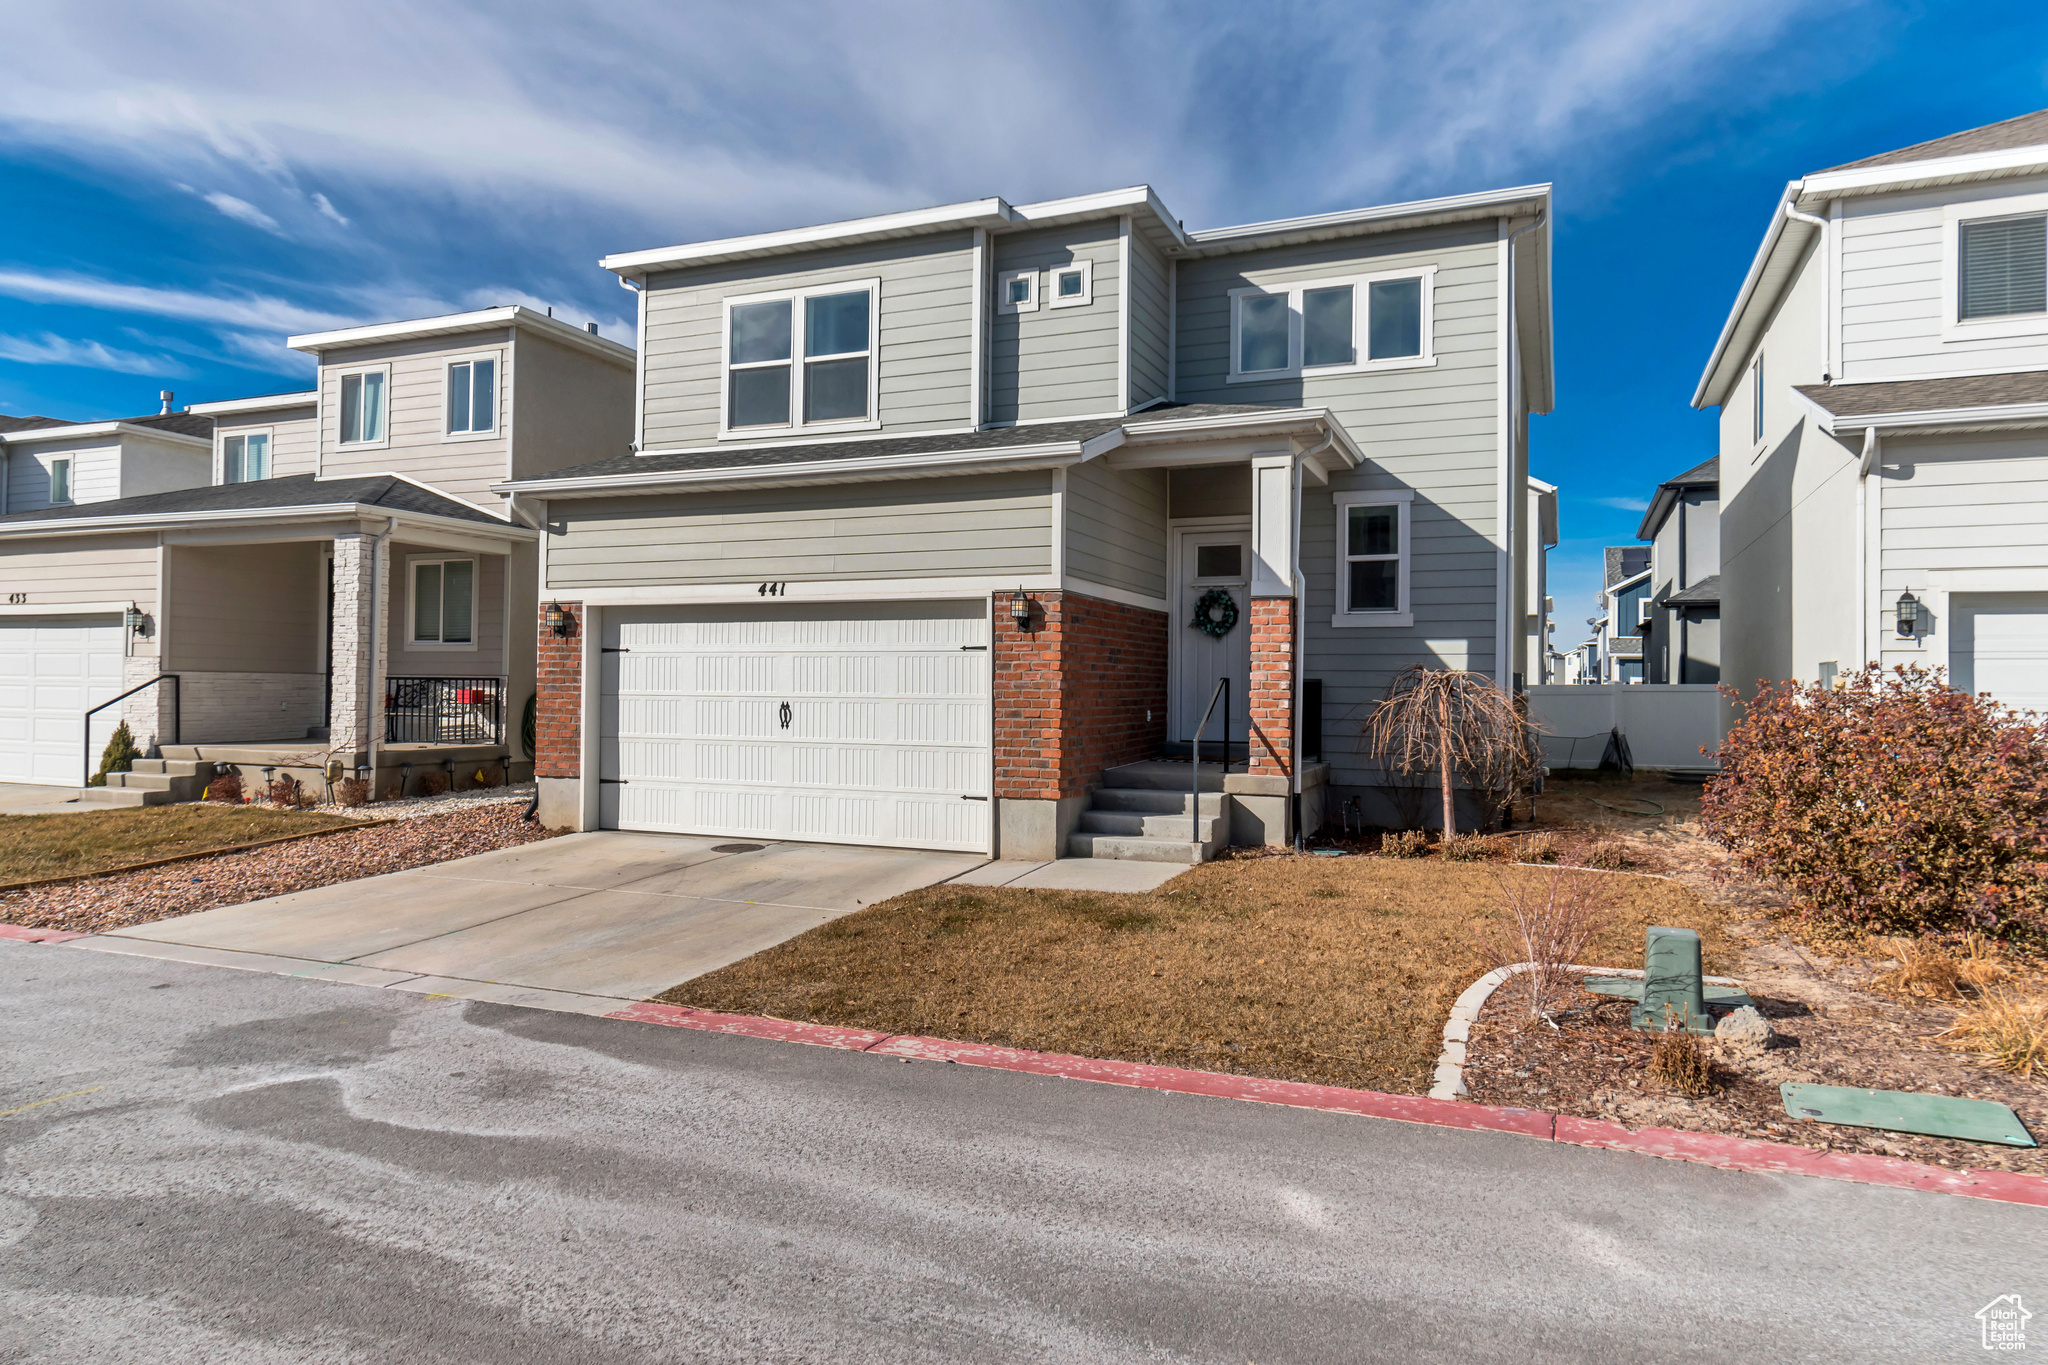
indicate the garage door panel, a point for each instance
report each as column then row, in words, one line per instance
column 51, row 670
column 863, row 723
column 2001, row 647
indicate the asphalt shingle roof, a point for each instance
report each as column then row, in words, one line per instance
column 1930, row 395
column 1706, row 592
column 8, row 424
column 298, row 490
column 2028, row 130
column 184, row 423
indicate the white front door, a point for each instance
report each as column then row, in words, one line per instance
column 854, row 723
column 2001, row 647
column 1211, row 560
column 51, row 669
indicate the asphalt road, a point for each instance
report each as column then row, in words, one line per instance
column 248, row 1168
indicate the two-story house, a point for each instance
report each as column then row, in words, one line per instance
column 939, row 527
column 314, row 578
column 1624, row 612
column 1682, row 624
column 1882, row 381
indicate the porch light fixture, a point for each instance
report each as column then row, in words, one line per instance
column 557, row 619
column 1020, row 610
column 1909, row 616
column 138, row 622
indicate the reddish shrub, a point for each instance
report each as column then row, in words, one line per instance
column 1891, row 802
column 225, row 786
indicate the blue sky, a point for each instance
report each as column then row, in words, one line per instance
column 186, row 185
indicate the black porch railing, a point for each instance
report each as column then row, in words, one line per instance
column 444, row 710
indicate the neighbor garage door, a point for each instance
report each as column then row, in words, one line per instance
column 51, row 669
column 862, row 723
column 2001, row 647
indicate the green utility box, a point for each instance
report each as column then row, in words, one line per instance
column 1672, row 984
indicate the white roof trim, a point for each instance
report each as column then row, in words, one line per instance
column 267, row 403
column 1937, row 170
column 1976, row 418
column 991, row 212
column 1483, row 204
column 236, row 515
column 41, row 435
column 451, row 324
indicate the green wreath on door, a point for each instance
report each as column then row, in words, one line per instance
column 1215, row 614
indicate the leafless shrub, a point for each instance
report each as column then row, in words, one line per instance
column 225, row 787
column 1608, row 854
column 1538, row 848
column 1545, row 921
column 433, row 783
column 1452, row 724
column 284, row 792
column 1411, row 843
column 1469, row 848
column 1679, row 1059
column 352, row 791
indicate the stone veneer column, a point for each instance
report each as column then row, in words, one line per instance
column 359, row 661
column 1272, row 686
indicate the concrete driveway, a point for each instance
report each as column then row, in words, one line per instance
column 579, row 922
column 30, row 798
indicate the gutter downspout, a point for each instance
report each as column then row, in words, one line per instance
column 1505, row 588
column 376, row 712
column 1827, row 333
column 1873, row 448
column 1300, row 639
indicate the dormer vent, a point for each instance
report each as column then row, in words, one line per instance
column 166, row 395
column 590, row 327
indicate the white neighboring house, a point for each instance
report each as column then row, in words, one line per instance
column 1883, row 387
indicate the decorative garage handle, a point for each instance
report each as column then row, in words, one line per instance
column 787, row 714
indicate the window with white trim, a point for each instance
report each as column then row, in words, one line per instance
column 802, row 359
column 1073, row 286
column 1380, row 321
column 363, row 406
column 60, row 479
column 1373, row 557
column 2002, row 266
column 1017, row 291
column 473, row 396
column 245, row 458
column 443, row 605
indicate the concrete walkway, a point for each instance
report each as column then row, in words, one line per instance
column 577, row 923
column 32, row 798
column 1074, row 874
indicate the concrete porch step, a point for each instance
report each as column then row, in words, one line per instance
column 1136, row 824
column 1151, row 801
column 1159, row 774
column 123, row 796
column 173, row 767
column 1081, row 844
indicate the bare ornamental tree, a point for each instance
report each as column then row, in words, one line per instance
column 1452, row 724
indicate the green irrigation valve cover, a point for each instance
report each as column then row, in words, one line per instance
column 1902, row 1111
column 1672, row 987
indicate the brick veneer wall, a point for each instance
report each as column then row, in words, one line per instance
column 558, row 682
column 1083, row 690
column 1272, row 686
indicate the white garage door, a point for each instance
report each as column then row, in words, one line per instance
column 51, row 669
column 2001, row 647
column 856, row 723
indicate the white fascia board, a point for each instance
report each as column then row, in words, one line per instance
column 1137, row 200
column 1384, row 218
column 1945, row 170
column 1541, row 487
column 831, row 471
column 1712, row 389
column 991, row 212
column 1973, row 419
column 44, row 435
column 1252, row 423
column 452, row 324
column 267, row 403
column 246, row 515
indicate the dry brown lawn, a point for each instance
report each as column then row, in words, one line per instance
column 1333, row 970
column 38, row 846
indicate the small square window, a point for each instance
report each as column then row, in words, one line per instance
column 1073, row 285
column 1020, row 290
column 1017, row 291
column 1219, row 561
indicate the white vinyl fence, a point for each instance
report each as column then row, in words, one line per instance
column 1666, row 724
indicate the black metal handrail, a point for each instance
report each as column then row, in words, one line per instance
column 1195, row 778
column 444, row 710
column 177, row 725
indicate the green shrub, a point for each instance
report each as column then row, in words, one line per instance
column 118, row 757
column 1890, row 803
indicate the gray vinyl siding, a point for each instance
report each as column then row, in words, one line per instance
column 1116, row 527
column 1434, row 430
column 1151, row 320
column 1212, row 491
column 569, row 406
column 487, row 660
column 417, row 416
column 245, row 609
column 69, row 570
column 294, row 439
column 927, row 528
column 925, row 318
column 1057, row 362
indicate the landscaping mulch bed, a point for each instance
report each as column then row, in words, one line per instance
column 1331, row 970
column 1595, row 1066
column 128, row 898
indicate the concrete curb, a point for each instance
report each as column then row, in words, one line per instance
column 27, row 935
column 1727, row 1153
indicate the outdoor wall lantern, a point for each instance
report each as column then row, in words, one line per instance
column 1020, row 610
column 138, row 622
column 1909, row 616
column 557, row 619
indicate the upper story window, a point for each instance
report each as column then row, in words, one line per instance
column 473, row 396
column 245, row 458
column 803, row 359
column 1073, row 285
column 1380, row 321
column 1373, row 558
column 1017, row 291
column 443, row 602
column 2003, row 267
column 363, row 406
column 60, row 479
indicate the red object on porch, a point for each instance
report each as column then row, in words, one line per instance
column 469, row 696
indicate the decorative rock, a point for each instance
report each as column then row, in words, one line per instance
column 1745, row 1031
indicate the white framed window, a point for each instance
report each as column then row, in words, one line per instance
column 1017, row 291
column 1756, row 400
column 1072, row 286
column 441, row 603
column 60, row 479
column 1373, row 558
column 471, row 386
column 245, row 457
column 1382, row 321
column 802, row 360
column 1995, row 264
column 364, row 405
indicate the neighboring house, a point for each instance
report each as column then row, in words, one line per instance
column 1624, row 608
column 1581, row 664
column 1883, row 386
column 922, row 510
column 1539, row 531
column 307, row 578
column 1683, row 525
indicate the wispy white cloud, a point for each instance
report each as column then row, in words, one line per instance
column 1624, row 504
column 236, row 310
column 242, row 211
column 327, row 209
column 50, row 349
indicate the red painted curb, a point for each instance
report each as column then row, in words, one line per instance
column 26, row 935
column 1710, row 1149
